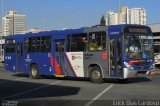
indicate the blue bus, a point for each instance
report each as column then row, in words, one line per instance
column 99, row 52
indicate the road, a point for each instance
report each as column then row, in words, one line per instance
column 19, row 89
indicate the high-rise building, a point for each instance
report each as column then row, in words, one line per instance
column 124, row 15
column 137, row 16
column 111, row 18
column 127, row 16
column 13, row 23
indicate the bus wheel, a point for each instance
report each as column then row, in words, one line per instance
column 96, row 75
column 34, row 72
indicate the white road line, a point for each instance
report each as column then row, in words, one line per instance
column 98, row 96
column 11, row 80
column 27, row 91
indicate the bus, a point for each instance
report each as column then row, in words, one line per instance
column 156, row 49
column 98, row 52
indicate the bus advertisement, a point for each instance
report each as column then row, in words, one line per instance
column 99, row 52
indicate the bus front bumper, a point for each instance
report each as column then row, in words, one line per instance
column 134, row 73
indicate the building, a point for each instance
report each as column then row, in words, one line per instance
column 126, row 16
column 123, row 15
column 137, row 16
column 13, row 23
column 35, row 30
column 111, row 18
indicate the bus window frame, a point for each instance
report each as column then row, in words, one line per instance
column 104, row 47
column 13, row 44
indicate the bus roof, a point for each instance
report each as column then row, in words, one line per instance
column 111, row 28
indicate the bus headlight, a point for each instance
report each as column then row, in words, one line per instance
column 152, row 66
column 128, row 66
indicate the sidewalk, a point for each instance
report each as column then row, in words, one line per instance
column 1, row 65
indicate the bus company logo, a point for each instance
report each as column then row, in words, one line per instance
column 76, row 57
column 28, row 58
column 73, row 58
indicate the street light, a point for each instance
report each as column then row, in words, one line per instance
column 1, row 54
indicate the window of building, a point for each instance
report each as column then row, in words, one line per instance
column 97, row 41
column 46, row 44
column 10, row 46
column 77, row 42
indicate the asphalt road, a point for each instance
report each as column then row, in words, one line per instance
column 20, row 90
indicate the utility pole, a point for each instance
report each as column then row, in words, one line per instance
column 13, row 22
column 119, row 4
column 1, row 55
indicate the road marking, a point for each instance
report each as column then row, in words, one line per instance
column 98, row 96
column 11, row 80
column 27, row 91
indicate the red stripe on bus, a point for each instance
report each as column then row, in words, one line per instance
column 134, row 61
column 55, row 65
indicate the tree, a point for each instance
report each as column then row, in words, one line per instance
column 103, row 20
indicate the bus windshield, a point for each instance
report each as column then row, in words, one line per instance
column 138, row 46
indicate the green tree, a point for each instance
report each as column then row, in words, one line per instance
column 103, row 20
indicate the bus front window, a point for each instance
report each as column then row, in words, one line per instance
column 138, row 46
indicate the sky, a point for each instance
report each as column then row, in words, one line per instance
column 59, row 14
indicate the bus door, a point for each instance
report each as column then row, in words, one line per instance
column 59, row 56
column 19, row 57
column 116, row 57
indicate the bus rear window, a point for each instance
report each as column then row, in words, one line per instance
column 10, row 46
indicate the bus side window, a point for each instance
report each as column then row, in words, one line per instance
column 10, row 46
column 46, row 44
column 77, row 42
column 59, row 46
column 19, row 49
column 97, row 41
column 112, row 53
column 34, row 44
column 26, row 45
column 68, row 43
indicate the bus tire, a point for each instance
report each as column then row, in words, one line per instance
column 96, row 75
column 34, row 73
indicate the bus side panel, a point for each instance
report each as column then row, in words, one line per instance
column 42, row 60
column 74, row 64
column 10, row 62
column 95, row 58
